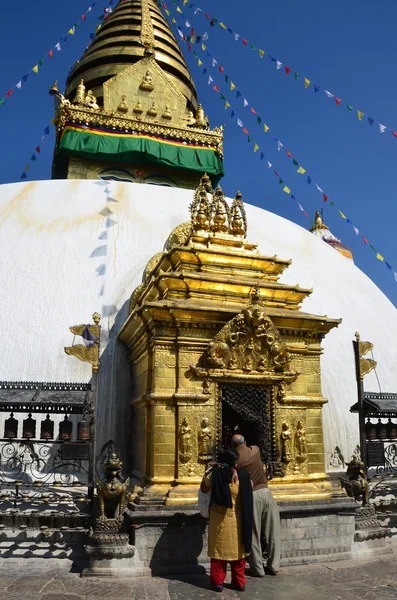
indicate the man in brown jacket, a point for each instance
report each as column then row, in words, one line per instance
column 266, row 522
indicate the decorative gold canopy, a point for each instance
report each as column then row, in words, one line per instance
column 136, row 28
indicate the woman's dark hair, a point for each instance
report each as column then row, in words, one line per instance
column 228, row 457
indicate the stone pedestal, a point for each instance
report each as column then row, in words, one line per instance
column 110, row 555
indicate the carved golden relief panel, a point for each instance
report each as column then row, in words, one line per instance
column 196, row 440
column 144, row 93
column 291, row 440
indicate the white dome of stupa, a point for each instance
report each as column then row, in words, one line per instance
column 69, row 248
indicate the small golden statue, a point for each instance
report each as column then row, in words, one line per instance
column 190, row 121
column 185, row 441
column 138, row 108
column 152, row 110
column 112, row 495
column 285, row 438
column 123, row 106
column 147, row 82
column 355, row 481
column 220, row 221
column 90, row 101
column 167, row 114
column 204, row 441
column 80, row 93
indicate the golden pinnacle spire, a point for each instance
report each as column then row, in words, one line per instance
column 318, row 222
column 136, row 28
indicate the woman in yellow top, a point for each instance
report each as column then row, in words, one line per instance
column 230, row 524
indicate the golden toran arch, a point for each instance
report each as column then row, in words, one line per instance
column 211, row 310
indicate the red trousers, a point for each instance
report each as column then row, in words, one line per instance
column 218, row 571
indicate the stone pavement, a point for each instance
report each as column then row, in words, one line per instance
column 369, row 579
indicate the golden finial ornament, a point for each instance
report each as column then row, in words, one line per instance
column 220, row 212
column 147, row 82
column 54, row 91
column 152, row 112
column 80, row 93
column 201, row 218
column 123, row 106
column 201, row 118
column 318, row 222
column 238, row 216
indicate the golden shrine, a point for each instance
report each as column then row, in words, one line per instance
column 215, row 341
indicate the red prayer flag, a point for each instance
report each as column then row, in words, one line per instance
column 245, row 130
column 216, row 88
column 289, row 153
column 9, row 93
column 192, row 32
column 287, row 70
column 275, row 172
column 253, row 111
column 189, row 47
column 82, row 17
column 365, row 240
column 394, row 133
column 37, row 149
column 305, row 213
column 221, row 69
column 325, row 197
column 206, row 16
column 165, row 6
column 245, row 42
column 50, row 54
column 338, row 100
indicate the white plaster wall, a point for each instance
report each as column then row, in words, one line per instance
column 69, row 248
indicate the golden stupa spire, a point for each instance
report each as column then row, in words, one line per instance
column 318, row 222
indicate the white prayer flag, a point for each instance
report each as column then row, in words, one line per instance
column 279, row 64
column 19, row 85
column 58, row 46
column 382, row 128
column 210, row 80
column 236, row 36
column 204, row 37
column 269, row 165
column 245, row 103
column 329, row 94
column 356, row 231
column 279, row 145
column 214, row 62
column 239, row 123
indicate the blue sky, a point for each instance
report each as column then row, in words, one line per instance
column 347, row 48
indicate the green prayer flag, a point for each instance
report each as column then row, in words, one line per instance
column 222, row 97
column 372, row 248
column 253, row 47
column 2, row 101
column 280, row 181
column 349, row 107
column 41, row 61
column 33, row 157
column 249, row 139
column 259, row 119
column 332, row 204
column 195, row 54
column 226, row 78
column 295, row 162
column 296, row 76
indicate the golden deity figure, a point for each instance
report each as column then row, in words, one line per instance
column 190, row 121
column 147, row 82
column 220, row 221
column 300, row 440
column 204, row 440
column 152, row 110
column 167, row 114
column 123, row 106
column 80, row 93
column 90, row 101
column 285, row 437
column 185, row 440
column 138, row 108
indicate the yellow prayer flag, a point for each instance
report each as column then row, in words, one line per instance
column 178, row 10
column 378, row 256
column 36, row 69
column 261, row 53
column 173, row 20
column 342, row 215
column 98, row 28
column 266, row 128
column 286, row 190
column 301, row 170
column 27, row 167
column 223, row 25
column 256, row 148
column 232, row 86
column 185, row 2
column 167, row 12
column 227, row 105
column 199, row 63
column 307, row 82
column 71, row 31
column 360, row 115
column 203, row 47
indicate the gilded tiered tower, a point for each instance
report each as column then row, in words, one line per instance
column 130, row 109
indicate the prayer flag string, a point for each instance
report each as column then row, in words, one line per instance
column 256, row 148
column 282, row 67
column 37, row 151
column 56, row 48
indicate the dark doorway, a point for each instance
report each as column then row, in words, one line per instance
column 247, row 408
